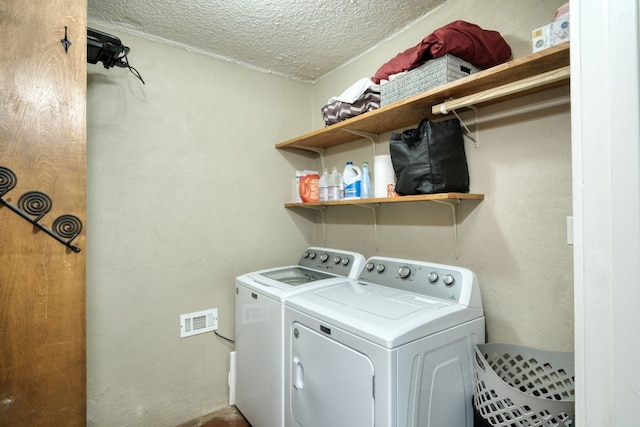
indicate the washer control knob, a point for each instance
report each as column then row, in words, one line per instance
column 336, row 260
column 345, row 261
column 380, row 268
column 433, row 277
column 312, row 255
column 324, row 257
column 448, row 280
column 305, row 254
column 369, row 266
column 404, row 272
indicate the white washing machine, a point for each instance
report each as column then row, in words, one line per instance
column 393, row 348
column 259, row 326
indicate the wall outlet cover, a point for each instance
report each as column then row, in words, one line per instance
column 198, row 322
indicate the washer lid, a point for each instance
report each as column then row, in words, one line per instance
column 386, row 316
column 293, row 276
column 380, row 301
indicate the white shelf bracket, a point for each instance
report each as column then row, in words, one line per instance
column 471, row 135
column 320, row 151
column 320, row 209
column 373, row 209
column 453, row 204
column 373, row 137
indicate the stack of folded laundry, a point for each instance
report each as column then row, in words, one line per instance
column 461, row 39
column 359, row 98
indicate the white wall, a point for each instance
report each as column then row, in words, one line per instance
column 515, row 240
column 185, row 192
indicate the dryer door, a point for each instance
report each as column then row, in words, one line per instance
column 331, row 384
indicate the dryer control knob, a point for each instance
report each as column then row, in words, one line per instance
column 336, row 260
column 369, row 266
column 312, row 255
column 448, row 280
column 380, row 268
column 345, row 261
column 305, row 254
column 404, row 272
column 433, row 277
column 324, row 257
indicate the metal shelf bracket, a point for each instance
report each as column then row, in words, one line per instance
column 452, row 203
column 320, row 209
column 373, row 137
column 374, row 210
column 320, row 151
column 455, row 212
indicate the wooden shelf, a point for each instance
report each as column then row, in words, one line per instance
column 399, row 199
column 412, row 110
column 530, row 74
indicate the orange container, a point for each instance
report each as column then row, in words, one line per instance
column 310, row 188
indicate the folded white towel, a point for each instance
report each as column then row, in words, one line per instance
column 355, row 91
column 392, row 77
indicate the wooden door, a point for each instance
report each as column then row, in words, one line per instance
column 42, row 281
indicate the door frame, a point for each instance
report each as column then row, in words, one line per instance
column 605, row 104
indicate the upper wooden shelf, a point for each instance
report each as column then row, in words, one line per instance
column 412, row 110
column 399, row 199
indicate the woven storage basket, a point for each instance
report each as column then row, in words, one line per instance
column 432, row 73
column 517, row 386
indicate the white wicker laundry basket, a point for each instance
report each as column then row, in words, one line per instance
column 518, row 386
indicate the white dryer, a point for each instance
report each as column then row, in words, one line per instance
column 393, row 348
column 259, row 326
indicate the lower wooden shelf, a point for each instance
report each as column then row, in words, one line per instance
column 399, row 199
column 450, row 199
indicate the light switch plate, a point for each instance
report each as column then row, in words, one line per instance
column 569, row 230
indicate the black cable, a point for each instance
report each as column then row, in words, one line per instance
column 124, row 62
column 135, row 72
column 223, row 337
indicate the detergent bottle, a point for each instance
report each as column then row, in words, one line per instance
column 351, row 177
column 310, row 187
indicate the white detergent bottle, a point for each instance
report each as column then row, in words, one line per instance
column 352, row 178
column 324, row 186
column 335, row 185
column 365, row 187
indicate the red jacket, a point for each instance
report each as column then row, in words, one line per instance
column 469, row 42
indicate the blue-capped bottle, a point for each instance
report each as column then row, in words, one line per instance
column 352, row 177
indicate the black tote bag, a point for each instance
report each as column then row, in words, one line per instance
column 430, row 159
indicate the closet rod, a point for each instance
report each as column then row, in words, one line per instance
column 503, row 90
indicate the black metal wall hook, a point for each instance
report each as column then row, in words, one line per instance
column 65, row 41
column 34, row 205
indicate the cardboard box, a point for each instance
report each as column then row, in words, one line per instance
column 552, row 34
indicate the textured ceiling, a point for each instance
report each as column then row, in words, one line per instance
column 301, row 39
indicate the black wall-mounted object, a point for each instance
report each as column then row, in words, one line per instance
column 105, row 48
column 33, row 205
column 108, row 49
